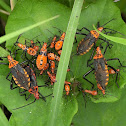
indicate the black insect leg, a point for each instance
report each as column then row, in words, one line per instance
column 19, row 37
column 26, row 57
column 53, row 35
column 118, row 61
column 16, row 52
column 11, row 85
column 42, row 97
column 8, row 76
column 43, row 85
column 75, row 40
column 98, row 24
column 23, row 94
column 108, row 22
column 15, row 44
column 25, row 105
column 83, row 28
column 81, row 33
column 60, row 31
column 114, row 31
column 4, row 63
column 39, row 43
column 87, row 79
column 108, row 45
column 91, row 57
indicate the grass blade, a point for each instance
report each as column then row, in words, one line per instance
column 12, row 3
column 63, row 64
column 114, row 39
column 5, row 6
column 18, row 32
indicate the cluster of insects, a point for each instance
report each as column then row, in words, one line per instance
column 99, row 64
column 44, row 57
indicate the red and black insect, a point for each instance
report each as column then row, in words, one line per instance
column 23, row 78
column 31, row 50
column 90, row 40
column 33, row 87
column 67, row 87
column 41, row 61
column 52, row 56
column 58, row 44
column 101, row 70
column 94, row 92
column 52, row 66
column 52, row 45
column 52, row 77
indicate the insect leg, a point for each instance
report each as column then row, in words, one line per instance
column 88, row 74
column 83, row 28
column 118, row 61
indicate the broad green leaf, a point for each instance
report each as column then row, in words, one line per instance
column 29, row 12
column 101, row 114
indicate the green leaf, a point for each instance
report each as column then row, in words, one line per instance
column 29, row 12
column 105, row 114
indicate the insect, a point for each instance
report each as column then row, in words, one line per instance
column 101, row 70
column 90, row 40
column 52, row 77
column 52, row 65
column 111, row 71
column 32, row 50
column 52, row 45
column 94, row 92
column 23, row 78
column 58, row 44
column 32, row 88
column 59, row 52
column 52, row 56
column 67, row 89
column 41, row 61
